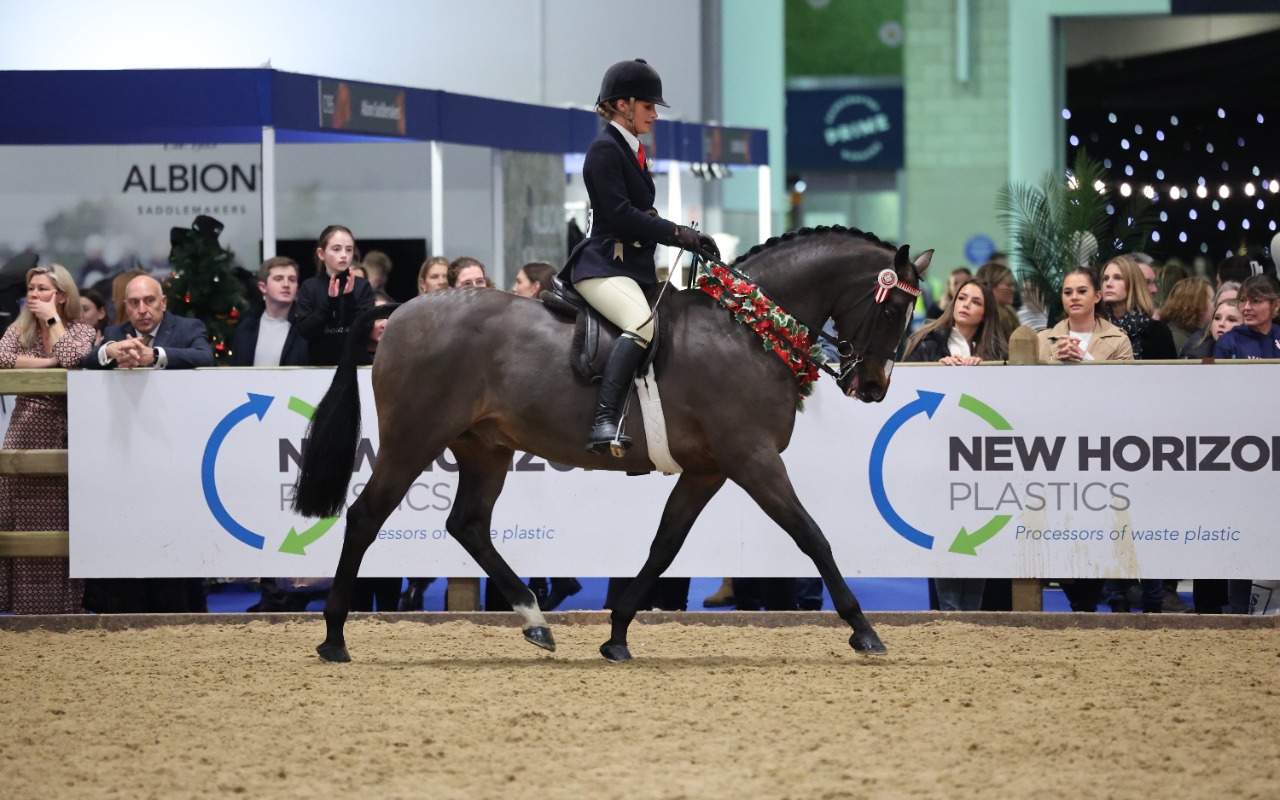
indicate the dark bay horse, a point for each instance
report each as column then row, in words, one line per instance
column 485, row 373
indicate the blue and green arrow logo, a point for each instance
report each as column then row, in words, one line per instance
column 927, row 403
column 256, row 406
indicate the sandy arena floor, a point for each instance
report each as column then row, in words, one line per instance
column 460, row 710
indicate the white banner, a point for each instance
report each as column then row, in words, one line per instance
column 1162, row 471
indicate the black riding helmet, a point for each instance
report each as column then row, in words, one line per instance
column 628, row 79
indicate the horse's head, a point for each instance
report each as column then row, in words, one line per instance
column 872, row 327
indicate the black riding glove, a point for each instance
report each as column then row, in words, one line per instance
column 689, row 239
column 686, row 237
column 709, row 246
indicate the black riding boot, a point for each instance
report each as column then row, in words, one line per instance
column 619, row 372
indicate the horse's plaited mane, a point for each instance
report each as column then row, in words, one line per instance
column 822, row 230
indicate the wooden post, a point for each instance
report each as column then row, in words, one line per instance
column 1024, row 347
column 1027, row 595
column 462, row 594
column 1024, row 350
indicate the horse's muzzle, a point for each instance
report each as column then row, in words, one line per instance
column 868, row 389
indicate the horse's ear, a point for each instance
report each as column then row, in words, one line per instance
column 902, row 257
column 922, row 261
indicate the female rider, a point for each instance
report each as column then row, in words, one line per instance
column 616, row 259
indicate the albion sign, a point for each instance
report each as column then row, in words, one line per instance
column 177, row 178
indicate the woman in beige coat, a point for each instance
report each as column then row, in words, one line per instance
column 1083, row 335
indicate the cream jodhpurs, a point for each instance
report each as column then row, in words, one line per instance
column 621, row 302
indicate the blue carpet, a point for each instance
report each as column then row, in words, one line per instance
column 875, row 594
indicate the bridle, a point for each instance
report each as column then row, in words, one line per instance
column 850, row 355
column 886, row 282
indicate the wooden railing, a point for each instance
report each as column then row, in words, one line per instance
column 463, row 593
column 33, row 462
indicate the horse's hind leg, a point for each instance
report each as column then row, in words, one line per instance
column 481, row 474
column 386, row 488
column 765, row 480
column 691, row 495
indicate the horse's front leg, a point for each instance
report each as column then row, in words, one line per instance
column 765, row 479
column 691, row 495
column 481, row 475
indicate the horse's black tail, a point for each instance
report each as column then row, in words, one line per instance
column 329, row 452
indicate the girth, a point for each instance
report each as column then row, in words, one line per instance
column 593, row 335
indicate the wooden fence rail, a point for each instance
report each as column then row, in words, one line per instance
column 463, row 593
column 33, row 462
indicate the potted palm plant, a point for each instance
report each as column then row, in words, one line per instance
column 1062, row 223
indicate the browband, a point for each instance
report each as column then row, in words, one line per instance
column 888, row 281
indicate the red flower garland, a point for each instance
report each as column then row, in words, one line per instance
column 778, row 330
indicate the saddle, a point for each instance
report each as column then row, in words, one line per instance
column 593, row 335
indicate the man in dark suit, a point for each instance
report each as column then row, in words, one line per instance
column 151, row 337
column 269, row 337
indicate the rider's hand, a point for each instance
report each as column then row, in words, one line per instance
column 709, row 246
column 686, row 238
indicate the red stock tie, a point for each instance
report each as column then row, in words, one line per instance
column 640, row 155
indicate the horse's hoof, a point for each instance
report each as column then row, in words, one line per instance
column 615, row 653
column 541, row 636
column 333, row 652
column 868, row 644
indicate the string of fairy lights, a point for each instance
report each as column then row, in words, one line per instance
column 1212, row 174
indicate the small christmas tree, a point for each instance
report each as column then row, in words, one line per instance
column 202, row 283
